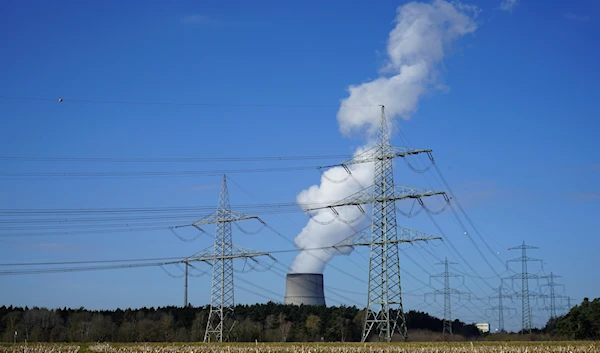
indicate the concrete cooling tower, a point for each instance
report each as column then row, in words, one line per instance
column 304, row 288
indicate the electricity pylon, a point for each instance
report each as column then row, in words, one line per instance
column 551, row 284
column 447, row 292
column 524, row 276
column 185, row 286
column 222, row 255
column 568, row 303
column 384, row 303
column 500, row 308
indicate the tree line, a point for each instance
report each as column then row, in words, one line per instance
column 263, row 322
column 582, row 322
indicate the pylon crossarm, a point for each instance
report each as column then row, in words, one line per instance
column 213, row 257
column 412, row 234
column 449, row 291
column 367, row 196
column 202, row 253
column 522, row 276
column 395, row 241
column 373, row 155
column 435, row 293
column 353, row 240
column 522, row 247
column 525, row 258
column 498, row 308
column 459, row 293
column 444, row 274
column 405, row 235
column 223, row 217
column 519, row 295
column 403, row 192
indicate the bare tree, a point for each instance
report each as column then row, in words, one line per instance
column 313, row 325
column 284, row 327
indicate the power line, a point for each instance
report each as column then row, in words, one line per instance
column 151, row 174
column 168, row 159
column 289, row 240
column 199, row 104
column 88, row 262
column 467, row 218
column 51, row 222
column 181, row 258
column 457, row 218
column 123, row 230
column 81, row 269
column 146, row 210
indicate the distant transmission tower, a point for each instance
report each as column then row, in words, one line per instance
column 569, row 303
column 447, row 292
column 500, row 308
column 384, row 304
column 185, row 285
column 551, row 284
column 221, row 258
column 524, row 276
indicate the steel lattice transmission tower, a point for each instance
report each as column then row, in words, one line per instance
column 222, row 254
column 551, row 284
column 500, row 308
column 384, row 311
column 524, row 276
column 447, row 292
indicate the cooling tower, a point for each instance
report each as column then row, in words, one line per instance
column 304, row 288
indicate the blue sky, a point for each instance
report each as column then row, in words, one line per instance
column 513, row 132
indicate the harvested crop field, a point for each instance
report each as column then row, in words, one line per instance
column 466, row 347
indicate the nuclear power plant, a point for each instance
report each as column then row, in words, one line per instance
column 304, row 288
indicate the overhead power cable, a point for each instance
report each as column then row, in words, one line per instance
column 446, row 239
column 238, row 286
column 466, row 215
column 151, row 174
column 460, row 224
column 147, row 210
column 63, row 100
column 456, row 252
column 86, row 232
column 168, row 159
column 453, row 195
column 165, row 261
column 291, row 241
column 88, row 262
column 80, row 269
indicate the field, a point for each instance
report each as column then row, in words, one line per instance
column 466, row 347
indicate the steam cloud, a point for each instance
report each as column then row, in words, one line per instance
column 415, row 48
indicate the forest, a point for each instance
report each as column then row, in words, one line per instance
column 270, row 322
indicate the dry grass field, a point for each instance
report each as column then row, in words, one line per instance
column 462, row 347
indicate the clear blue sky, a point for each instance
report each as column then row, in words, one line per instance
column 514, row 133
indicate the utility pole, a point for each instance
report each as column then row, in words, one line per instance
column 500, row 308
column 384, row 313
column 220, row 318
column 447, row 292
column 524, row 276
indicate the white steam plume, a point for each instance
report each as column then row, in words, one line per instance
column 415, row 48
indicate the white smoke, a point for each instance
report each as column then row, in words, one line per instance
column 416, row 46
